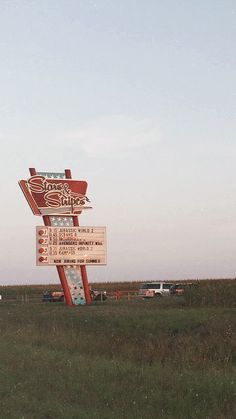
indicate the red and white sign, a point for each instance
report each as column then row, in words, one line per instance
column 71, row 246
column 55, row 196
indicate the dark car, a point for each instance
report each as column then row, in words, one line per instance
column 98, row 295
column 53, row 296
column 177, row 289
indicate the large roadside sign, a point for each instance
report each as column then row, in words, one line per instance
column 70, row 245
column 61, row 242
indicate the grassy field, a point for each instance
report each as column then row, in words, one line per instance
column 118, row 359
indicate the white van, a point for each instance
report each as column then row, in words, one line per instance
column 154, row 289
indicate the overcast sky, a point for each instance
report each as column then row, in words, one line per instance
column 138, row 98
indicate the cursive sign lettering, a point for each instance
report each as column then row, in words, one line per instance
column 39, row 184
column 55, row 194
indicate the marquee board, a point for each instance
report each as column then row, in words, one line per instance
column 70, row 246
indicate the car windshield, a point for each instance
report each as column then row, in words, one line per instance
column 149, row 286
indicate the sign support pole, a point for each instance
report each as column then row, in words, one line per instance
column 60, row 269
column 82, row 267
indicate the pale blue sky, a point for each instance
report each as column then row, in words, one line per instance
column 139, row 99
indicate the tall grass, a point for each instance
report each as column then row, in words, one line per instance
column 14, row 291
column 211, row 293
column 118, row 359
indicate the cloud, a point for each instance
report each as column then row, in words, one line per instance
column 115, row 134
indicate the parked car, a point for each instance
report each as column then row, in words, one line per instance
column 154, row 289
column 177, row 289
column 53, row 296
column 98, row 295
